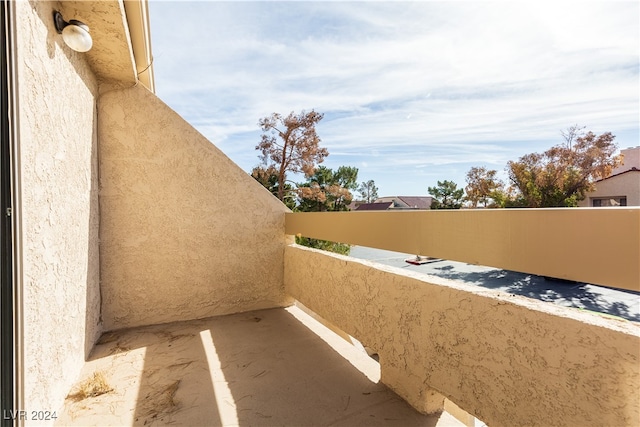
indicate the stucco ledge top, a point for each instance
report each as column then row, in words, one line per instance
column 524, row 303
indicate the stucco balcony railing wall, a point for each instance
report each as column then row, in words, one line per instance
column 506, row 359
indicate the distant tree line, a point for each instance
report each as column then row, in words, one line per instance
column 559, row 177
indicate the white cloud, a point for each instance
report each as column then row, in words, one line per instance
column 408, row 86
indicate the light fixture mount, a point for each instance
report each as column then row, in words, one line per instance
column 74, row 33
column 59, row 21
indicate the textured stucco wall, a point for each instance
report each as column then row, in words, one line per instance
column 627, row 184
column 184, row 232
column 111, row 56
column 59, row 207
column 506, row 359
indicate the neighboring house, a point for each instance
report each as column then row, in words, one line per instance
column 407, row 202
column 622, row 187
column 374, row 206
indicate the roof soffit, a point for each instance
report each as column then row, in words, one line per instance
column 111, row 56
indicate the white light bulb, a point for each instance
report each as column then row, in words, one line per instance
column 76, row 36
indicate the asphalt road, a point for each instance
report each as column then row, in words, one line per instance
column 615, row 302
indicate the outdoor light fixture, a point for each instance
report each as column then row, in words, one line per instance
column 74, row 33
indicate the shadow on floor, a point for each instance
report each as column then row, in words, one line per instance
column 282, row 374
column 261, row 368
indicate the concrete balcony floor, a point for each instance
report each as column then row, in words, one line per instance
column 276, row 367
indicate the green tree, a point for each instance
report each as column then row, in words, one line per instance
column 325, row 245
column 268, row 177
column 327, row 190
column 483, row 187
column 291, row 144
column 446, row 195
column 563, row 174
column 368, row 191
column 346, row 177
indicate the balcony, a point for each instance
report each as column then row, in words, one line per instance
column 144, row 253
column 268, row 367
column 442, row 344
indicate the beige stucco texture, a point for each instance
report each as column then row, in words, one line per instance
column 56, row 208
column 508, row 360
column 184, row 232
column 111, row 56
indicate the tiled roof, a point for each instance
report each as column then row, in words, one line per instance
column 416, row 202
column 374, row 206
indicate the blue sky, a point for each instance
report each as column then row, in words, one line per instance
column 412, row 92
